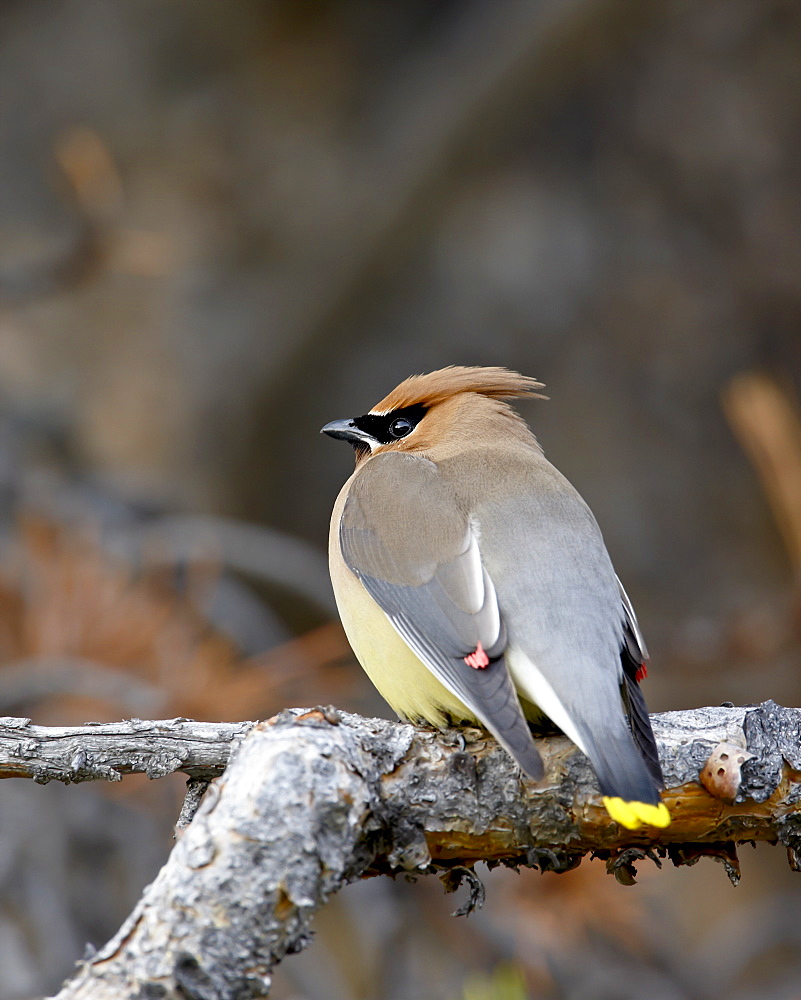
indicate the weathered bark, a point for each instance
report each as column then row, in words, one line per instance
column 108, row 750
column 315, row 799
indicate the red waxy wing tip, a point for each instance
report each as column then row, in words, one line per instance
column 478, row 659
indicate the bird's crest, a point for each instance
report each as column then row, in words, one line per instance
column 433, row 388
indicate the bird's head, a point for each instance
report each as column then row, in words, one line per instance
column 425, row 411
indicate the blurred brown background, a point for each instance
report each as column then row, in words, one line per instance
column 223, row 224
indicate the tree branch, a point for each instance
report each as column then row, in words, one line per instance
column 106, row 751
column 315, row 799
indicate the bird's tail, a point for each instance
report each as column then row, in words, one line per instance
column 629, row 788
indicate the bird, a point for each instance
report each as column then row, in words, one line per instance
column 474, row 585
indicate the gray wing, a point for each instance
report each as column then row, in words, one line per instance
column 567, row 617
column 415, row 551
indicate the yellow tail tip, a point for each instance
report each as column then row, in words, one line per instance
column 634, row 814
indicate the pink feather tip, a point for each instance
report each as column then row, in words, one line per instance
column 478, row 659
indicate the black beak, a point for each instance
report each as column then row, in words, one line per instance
column 347, row 431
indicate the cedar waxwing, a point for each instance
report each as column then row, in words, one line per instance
column 474, row 585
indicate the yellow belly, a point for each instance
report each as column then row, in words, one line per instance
column 402, row 679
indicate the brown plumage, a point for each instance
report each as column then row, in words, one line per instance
column 435, row 387
column 469, row 572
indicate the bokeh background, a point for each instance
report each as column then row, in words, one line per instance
column 223, row 224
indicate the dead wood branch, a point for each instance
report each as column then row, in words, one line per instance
column 315, row 799
column 106, row 751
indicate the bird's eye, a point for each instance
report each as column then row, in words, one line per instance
column 400, row 427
